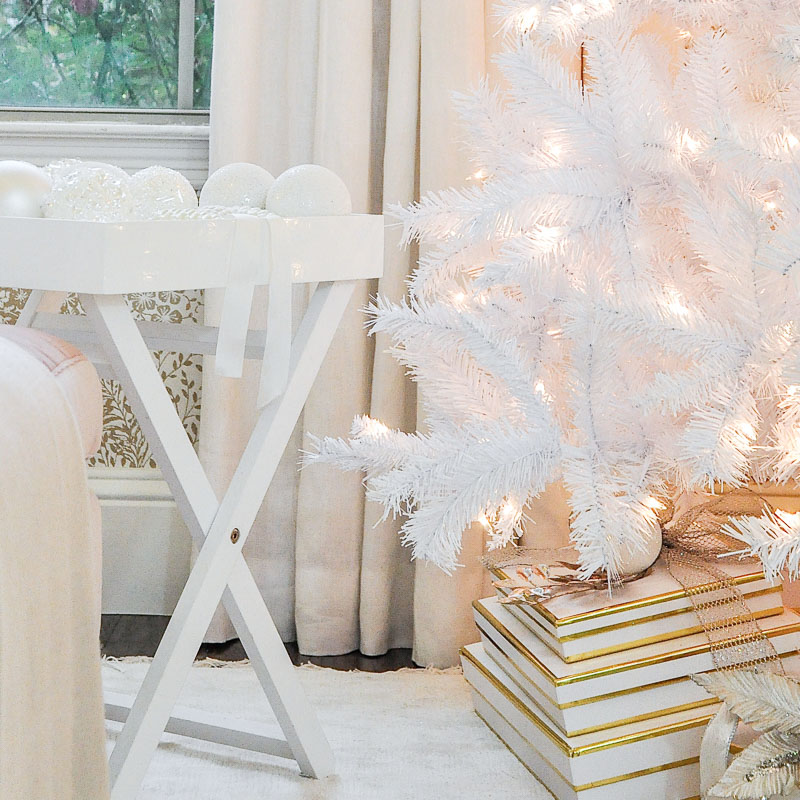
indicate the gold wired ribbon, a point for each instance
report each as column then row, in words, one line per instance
column 692, row 545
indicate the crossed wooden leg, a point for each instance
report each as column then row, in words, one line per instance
column 219, row 530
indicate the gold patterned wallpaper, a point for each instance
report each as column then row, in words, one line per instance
column 123, row 443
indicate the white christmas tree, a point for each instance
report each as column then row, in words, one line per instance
column 611, row 303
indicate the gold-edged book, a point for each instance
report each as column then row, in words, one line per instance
column 656, row 758
column 650, row 610
column 616, row 689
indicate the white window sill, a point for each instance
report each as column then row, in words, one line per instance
column 130, row 145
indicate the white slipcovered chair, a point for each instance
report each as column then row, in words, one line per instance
column 52, row 741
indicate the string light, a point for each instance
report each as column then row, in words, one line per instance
column 480, row 175
column 546, row 396
column 747, row 429
column 676, row 305
column 653, row 503
column 552, row 148
column 528, row 19
column 374, row 427
column 688, row 142
column 509, row 511
column 547, row 238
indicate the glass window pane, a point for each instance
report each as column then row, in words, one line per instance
column 203, row 35
column 111, row 53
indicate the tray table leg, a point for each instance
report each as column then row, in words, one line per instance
column 219, row 563
column 28, row 311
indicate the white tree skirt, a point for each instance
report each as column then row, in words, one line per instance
column 407, row 735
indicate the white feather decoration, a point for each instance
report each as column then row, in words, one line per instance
column 765, row 769
column 768, row 701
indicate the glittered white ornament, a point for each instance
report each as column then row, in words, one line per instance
column 309, row 190
column 158, row 189
column 23, row 188
column 89, row 190
column 237, row 184
column 646, row 550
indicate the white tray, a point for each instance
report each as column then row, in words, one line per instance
column 165, row 255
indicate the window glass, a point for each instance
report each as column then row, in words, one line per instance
column 111, row 53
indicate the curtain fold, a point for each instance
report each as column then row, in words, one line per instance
column 362, row 87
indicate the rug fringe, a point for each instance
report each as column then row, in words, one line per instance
column 216, row 663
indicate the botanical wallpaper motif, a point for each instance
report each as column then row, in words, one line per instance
column 123, row 443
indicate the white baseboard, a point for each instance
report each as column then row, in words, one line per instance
column 146, row 546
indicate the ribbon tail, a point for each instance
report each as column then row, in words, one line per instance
column 238, row 299
column 715, row 749
column 278, row 344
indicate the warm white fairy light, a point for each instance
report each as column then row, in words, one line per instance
column 747, row 429
column 688, row 142
column 552, row 148
column 676, row 304
column 547, row 237
column 541, row 390
column 374, row 427
column 527, row 19
column 653, row 503
column 508, row 512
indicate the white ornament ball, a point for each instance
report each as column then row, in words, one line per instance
column 309, row 190
column 158, row 189
column 89, row 190
column 638, row 559
column 23, row 189
column 239, row 184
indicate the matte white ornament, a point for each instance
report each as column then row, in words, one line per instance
column 23, row 188
column 89, row 190
column 239, row 184
column 158, row 189
column 309, row 190
column 641, row 554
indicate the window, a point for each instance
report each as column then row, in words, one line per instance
column 123, row 81
column 121, row 54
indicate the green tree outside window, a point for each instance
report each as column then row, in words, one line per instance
column 110, row 53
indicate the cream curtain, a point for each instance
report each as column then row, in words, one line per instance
column 362, row 87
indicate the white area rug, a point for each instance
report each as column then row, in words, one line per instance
column 407, row 735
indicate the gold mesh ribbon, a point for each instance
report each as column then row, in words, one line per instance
column 692, row 545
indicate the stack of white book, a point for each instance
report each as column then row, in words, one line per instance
column 592, row 693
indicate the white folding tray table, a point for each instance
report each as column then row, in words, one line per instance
column 102, row 262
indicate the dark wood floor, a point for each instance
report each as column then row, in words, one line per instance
column 138, row 635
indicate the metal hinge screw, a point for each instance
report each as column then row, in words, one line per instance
column 235, row 535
